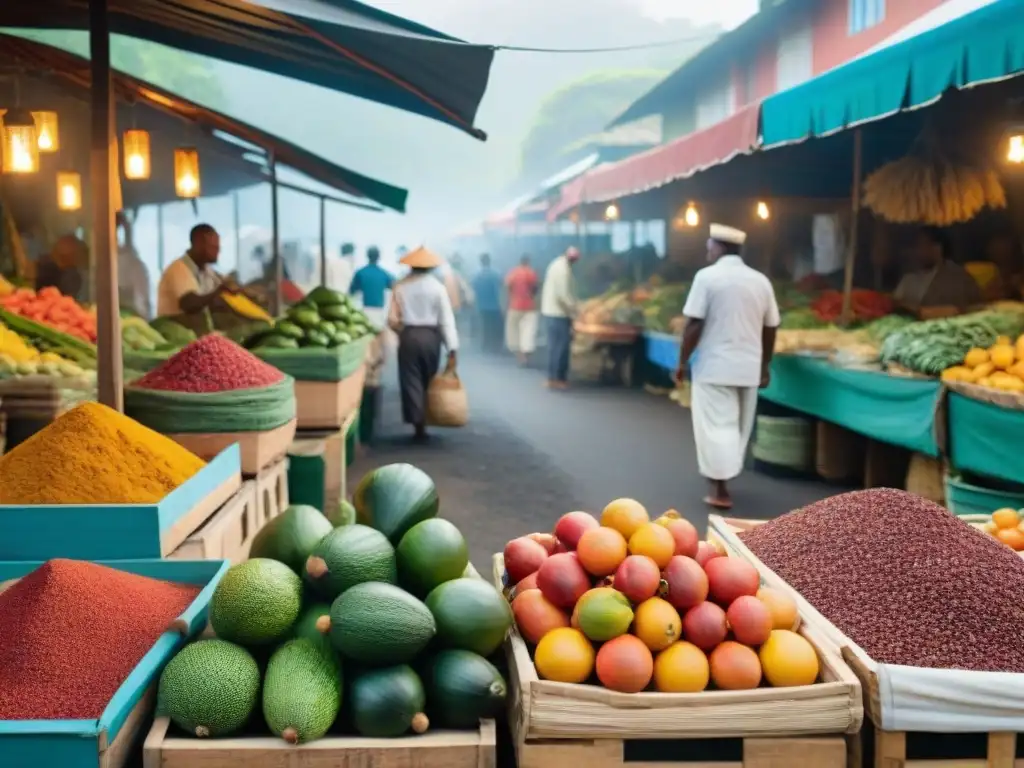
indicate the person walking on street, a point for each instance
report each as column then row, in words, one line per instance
column 521, row 322
column 731, row 320
column 421, row 314
column 373, row 282
column 340, row 269
column 558, row 305
column 487, row 290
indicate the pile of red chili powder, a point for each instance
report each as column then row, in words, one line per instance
column 211, row 364
column 71, row 632
column 902, row 578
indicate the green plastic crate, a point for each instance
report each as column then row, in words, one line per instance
column 962, row 498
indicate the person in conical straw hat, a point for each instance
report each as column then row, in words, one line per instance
column 731, row 320
column 422, row 316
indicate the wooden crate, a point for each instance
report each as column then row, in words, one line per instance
column 228, row 534
column 326, row 404
column 556, row 725
column 437, row 749
column 326, row 447
column 879, row 747
column 271, row 493
column 258, row 449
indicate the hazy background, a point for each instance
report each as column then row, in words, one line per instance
column 537, row 105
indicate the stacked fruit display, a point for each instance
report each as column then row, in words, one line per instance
column 1007, row 526
column 51, row 308
column 379, row 627
column 325, row 318
column 1000, row 366
column 644, row 605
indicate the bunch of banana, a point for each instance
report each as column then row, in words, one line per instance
column 931, row 190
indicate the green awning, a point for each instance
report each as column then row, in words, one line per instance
column 982, row 46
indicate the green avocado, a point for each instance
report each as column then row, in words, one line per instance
column 291, row 330
column 307, row 318
column 315, row 338
column 338, row 312
column 325, row 297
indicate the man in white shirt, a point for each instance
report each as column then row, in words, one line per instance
column 731, row 320
column 340, row 269
column 189, row 285
column 558, row 305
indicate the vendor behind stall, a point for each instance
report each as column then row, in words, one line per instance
column 63, row 267
column 189, row 285
column 938, row 286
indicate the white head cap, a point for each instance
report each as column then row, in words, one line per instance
column 726, row 234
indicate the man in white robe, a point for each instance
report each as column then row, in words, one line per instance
column 731, row 320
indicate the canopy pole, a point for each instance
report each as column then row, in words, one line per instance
column 108, row 321
column 160, row 238
column 236, row 213
column 323, row 240
column 851, row 250
column 275, row 245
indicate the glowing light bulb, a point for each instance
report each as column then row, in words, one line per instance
column 763, row 212
column 136, row 166
column 1015, row 153
column 21, row 156
column 692, row 217
column 611, row 213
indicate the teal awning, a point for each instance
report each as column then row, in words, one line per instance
column 978, row 47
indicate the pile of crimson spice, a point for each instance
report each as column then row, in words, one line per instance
column 903, row 578
column 72, row 631
column 211, row 364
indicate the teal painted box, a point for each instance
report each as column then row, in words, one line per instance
column 120, row 531
column 109, row 741
column 963, row 498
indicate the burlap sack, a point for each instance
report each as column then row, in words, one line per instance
column 447, row 403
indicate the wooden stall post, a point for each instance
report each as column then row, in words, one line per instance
column 275, row 245
column 160, row 258
column 323, row 240
column 851, row 248
column 108, row 320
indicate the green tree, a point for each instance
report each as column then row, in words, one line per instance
column 183, row 73
column 579, row 109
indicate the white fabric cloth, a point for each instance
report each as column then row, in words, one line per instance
column 829, row 243
column 521, row 330
column 339, row 273
column 723, row 420
column 558, row 296
column 422, row 300
column 133, row 281
column 736, row 303
column 182, row 277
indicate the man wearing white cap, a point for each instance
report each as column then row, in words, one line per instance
column 731, row 319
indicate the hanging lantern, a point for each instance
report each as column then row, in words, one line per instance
column 611, row 213
column 692, row 216
column 1015, row 149
column 20, row 144
column 186, row 172
column 47, row 133
column 69, row 190
column 763, row 211
column 136, row 155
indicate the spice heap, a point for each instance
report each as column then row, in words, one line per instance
column 902, row 578
column 72, row 631
column 211, row 364
column 94, row 455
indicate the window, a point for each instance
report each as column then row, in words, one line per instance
column 795, row 61
column 716, row 103
column 865, row 14
column 748, row 83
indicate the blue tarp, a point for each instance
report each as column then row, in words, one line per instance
column 978, row 47
column 342, row 45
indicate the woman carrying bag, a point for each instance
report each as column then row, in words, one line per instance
column 422, row 316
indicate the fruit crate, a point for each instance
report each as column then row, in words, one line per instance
column 258, row 450
column 120, row 531
column 972, row 745
column 271, row 493
column 112, row 740
column 164, row 748
column 327, row 404
column 559, row 724
column 228, row 534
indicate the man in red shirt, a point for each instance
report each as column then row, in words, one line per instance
column 521, row 321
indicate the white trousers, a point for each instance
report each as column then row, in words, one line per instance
column 521, row 330
column 723, row 420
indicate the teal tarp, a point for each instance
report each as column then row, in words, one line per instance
column 890, row 409
column 986, row 439
column 985, row 45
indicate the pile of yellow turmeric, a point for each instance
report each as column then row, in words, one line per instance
column 94, row 455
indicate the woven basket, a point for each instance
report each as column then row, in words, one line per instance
column 447, row 403
column 926, row 477
column 1010, row 400
column 839, row 453
column 785, row 442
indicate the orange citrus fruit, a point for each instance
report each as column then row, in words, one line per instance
column 681, row 668
column 601, row 550
column 1011, row 537
column 565, row 656
column 657, row 623
column 787, row 659
column 1006, row 518
column 625, row 516
column 781, row 606
column 654, row 541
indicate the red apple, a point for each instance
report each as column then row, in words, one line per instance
column 523, row 556
column 572, row 525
